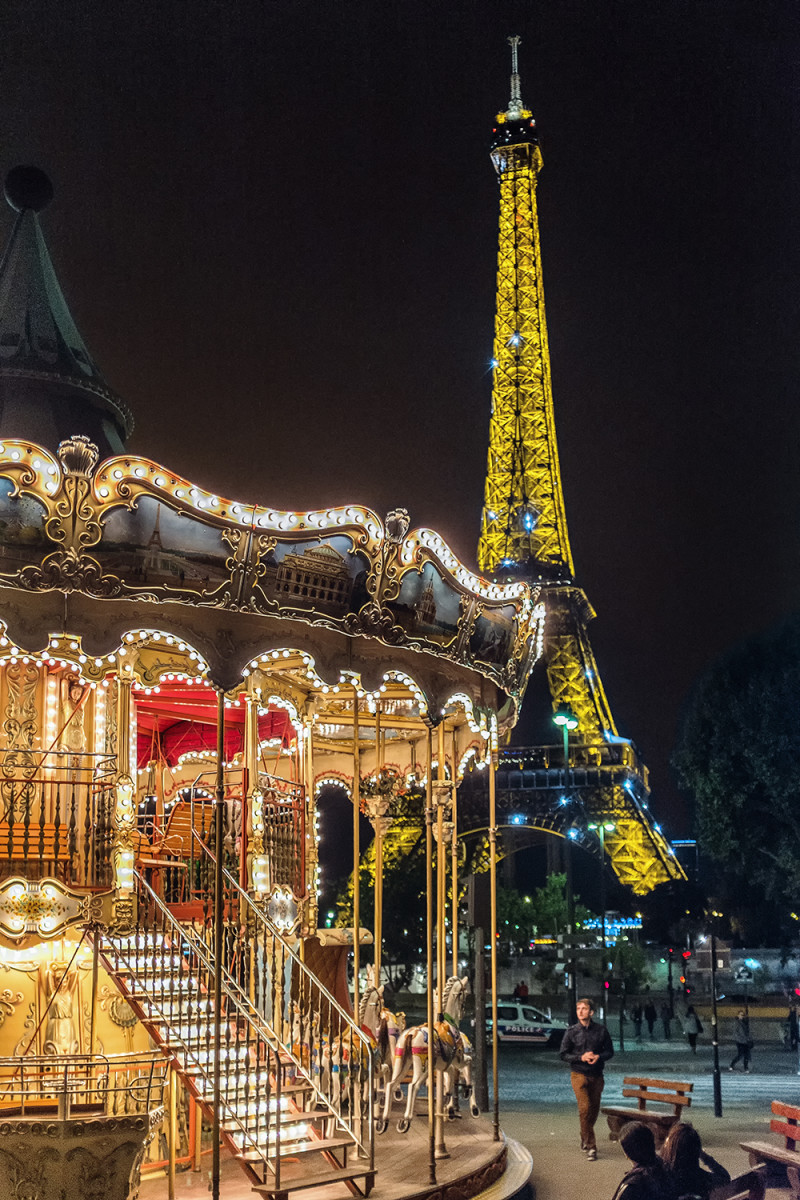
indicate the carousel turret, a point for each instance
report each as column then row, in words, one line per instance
column 50, row 386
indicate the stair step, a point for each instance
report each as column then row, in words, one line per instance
column 315, row 1180
column 337, row 1143
column 266, row 1150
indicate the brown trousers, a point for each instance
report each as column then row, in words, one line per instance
column 588, row 1089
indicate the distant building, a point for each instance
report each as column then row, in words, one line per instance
column 317, row 578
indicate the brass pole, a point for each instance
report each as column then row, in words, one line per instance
column 219, row 831
column 356, row 848
column 378, row 923
column 441, row 943
column 441, row 881
column 493, row 911
column 95, row 969
column 172, row 1147
column 313, row 863
column 429, row 948
column 454, row 860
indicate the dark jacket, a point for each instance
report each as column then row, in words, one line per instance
column 646, row 1183
column 700, row 1183
column 579, row 1039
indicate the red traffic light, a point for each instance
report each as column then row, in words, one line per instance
column 687, row 954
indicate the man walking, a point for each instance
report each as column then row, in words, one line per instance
column 586, row 1048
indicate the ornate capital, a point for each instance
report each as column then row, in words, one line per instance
column 78, row 455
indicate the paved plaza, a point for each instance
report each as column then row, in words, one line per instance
column 538, row 1110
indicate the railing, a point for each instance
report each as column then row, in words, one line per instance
column 271, row 981
column 270, row 1037
column 284, row 831
column 56, row 816
column 78, row 1084
column 188, row 824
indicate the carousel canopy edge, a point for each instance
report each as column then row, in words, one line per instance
column 128, row 529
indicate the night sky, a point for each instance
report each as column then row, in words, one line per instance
column 275, row 225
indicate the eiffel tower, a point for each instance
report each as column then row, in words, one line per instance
column 524, row 534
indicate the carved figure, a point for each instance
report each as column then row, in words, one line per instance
column 61, row 1031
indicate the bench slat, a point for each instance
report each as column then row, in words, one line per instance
column 642, row 1114
column 657, row 1097
column 765, row 1150
column 784, row 1130
column 671, row 1084
column 792, row 1111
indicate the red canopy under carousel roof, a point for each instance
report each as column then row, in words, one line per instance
column 181, row 718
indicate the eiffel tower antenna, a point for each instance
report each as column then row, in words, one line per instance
column 523, row 523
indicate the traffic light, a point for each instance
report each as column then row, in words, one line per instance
column 687, row 954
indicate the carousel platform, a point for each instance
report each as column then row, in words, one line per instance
column 477, row 1166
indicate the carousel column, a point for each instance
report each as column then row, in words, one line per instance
column 442, row 791
column 255, row 866
column 493, row 756
column 219, row 832
column 356, row 848
column 379, row 807
column 124, row 803
column 429, row 916
column 312, row 834
column 454, row 857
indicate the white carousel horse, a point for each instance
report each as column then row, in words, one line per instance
column 449, row 1056
column 384, row 1026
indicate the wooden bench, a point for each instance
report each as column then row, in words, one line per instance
column 668, row 1092
column 784, row 1122
column 750, row 1186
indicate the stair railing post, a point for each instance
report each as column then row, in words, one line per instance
column 219, row 831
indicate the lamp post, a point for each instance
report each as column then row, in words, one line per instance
column 714, row 1028
column 567, row 720
column 600, row 828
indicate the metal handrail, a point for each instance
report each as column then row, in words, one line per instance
column 198, row 948
column 354, row 1032
column 90, row 1080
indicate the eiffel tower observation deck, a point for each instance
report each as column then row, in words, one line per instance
column 524, row 536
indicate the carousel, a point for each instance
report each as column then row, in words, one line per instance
column 180, row 675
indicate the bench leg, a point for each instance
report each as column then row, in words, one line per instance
column 793, row 1175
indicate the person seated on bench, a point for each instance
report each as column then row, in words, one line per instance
column 648, row 1179
column 683, row 1152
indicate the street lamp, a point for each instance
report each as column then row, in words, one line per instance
column 567, row 720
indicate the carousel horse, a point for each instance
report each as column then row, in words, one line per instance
column 449, row 1056
column 383, row 1025
column 462, row 1074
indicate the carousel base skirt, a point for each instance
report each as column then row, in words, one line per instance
column 477, row 1166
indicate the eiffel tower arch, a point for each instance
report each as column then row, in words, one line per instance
column 602, row 780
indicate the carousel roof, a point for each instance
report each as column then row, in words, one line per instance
column 50, row 386
column 93, row 537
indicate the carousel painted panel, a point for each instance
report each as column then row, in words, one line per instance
column 155, row 550
column 314, row 578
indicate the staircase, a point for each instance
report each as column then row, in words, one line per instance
column 295, row 1073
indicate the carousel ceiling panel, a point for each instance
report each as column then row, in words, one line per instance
column 129, row 530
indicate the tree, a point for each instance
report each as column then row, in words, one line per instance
column 738, row 754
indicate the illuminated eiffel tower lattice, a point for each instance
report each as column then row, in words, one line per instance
column 524, row 535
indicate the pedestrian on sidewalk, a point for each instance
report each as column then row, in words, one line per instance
column 650, row 1015
column 682, row 1153
column 636, row 1017
column 794, row 1029
column 648, row 1178
column 691, row 1027
column 744, row 1043
column 586, row 1048
column 666, row 1017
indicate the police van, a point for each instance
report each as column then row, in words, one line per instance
column 521, row 1023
